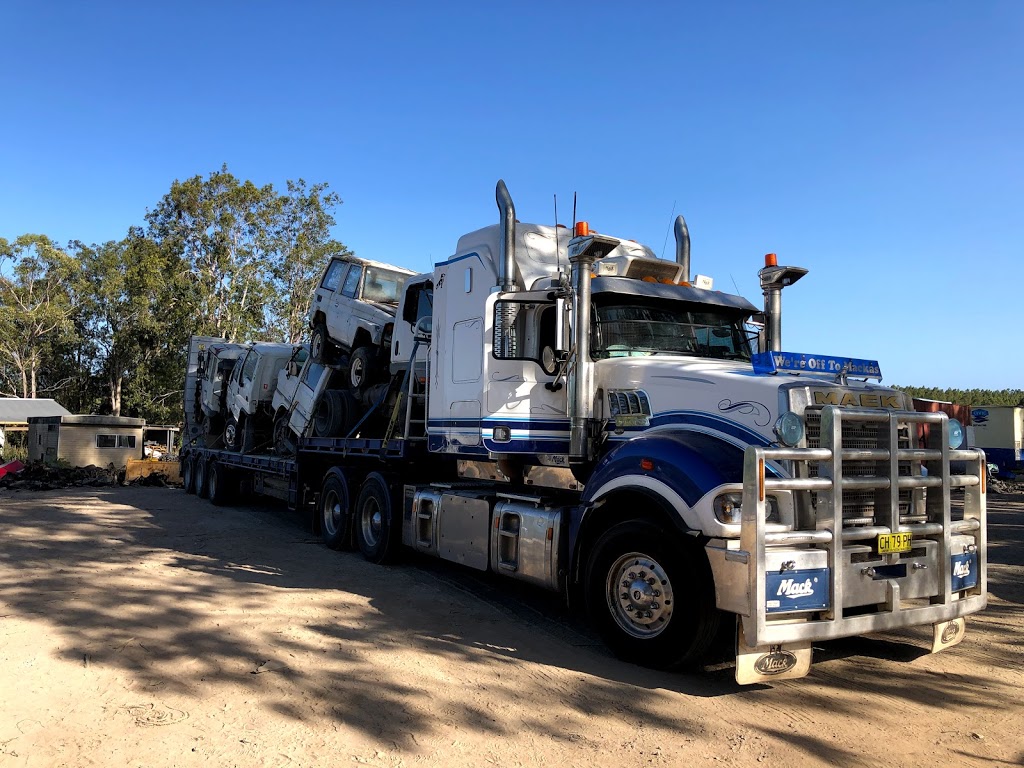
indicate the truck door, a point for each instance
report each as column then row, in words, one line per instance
column 341, row 320
column 241, row 396
column 522, row 413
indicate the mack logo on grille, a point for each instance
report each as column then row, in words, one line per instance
column 793, row 589
column 950, row 631
column 962, row 569
column 775, row 662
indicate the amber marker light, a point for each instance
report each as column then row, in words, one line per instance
column 771, row 260
column 760, row 479
column 646, row 465
column 582, row 229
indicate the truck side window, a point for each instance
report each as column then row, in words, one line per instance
column 419, row 306
column 332, row 279
column 351, row 286
column 250, row 366
column 523, row 330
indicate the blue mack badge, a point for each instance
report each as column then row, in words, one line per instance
column 799, row 362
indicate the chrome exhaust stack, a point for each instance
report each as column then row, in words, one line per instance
column 683, row 246
column 507, row 255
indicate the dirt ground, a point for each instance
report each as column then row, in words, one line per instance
column 144, row 627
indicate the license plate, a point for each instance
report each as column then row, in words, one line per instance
column 888, row 543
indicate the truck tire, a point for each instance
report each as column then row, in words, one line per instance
column 202, row 488
column 635, row 576
column 218, row 483
column 232, row 434
column 334, row 414
column 377, row 520
column 335, row 514
column 321, row 349
column 188, row 474
column 361, row 369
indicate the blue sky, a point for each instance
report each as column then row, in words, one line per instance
column 880, row 145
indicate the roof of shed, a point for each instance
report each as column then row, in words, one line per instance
column 17, row 410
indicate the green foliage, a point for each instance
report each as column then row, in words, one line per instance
column 105, row 329
column 37, row 306
column 969, row 397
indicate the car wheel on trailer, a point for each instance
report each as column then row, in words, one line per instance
column 333, row 414
column 360, row 368
column 335, row 517
column 637, row 576
column 284, row 440
column 218, row 483
column 320, row 347
column 201, row 467
column 377, row 520
column 232, row 434
column 188, row 476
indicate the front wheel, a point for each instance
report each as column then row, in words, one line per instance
column 651, row 596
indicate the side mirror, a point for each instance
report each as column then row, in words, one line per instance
column 293, row 368
column 424, row 328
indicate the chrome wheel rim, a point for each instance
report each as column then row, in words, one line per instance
column 357, row 372
column 332, row 513
column 371, row 522
column 639, row 595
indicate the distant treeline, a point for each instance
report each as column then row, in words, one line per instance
column 967, row 396
column 103, row 328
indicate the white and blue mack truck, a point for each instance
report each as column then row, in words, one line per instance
column 569, row 410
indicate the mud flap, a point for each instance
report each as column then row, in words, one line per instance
column 768, row 663
column 946, row 634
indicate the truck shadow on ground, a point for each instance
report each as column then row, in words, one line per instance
column 188, row 598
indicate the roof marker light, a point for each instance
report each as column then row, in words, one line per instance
column 582, row 229
column 771, row 260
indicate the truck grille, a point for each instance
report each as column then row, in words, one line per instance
column 859, row 506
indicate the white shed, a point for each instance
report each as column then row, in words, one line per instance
column 85, row 440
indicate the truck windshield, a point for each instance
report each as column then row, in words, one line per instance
column 383, row 285
column 636, row 330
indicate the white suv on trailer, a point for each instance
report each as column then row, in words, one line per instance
column 352, row 315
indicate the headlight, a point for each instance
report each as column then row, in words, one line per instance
column 729, row 508
column 956, row 433
column 789, row 428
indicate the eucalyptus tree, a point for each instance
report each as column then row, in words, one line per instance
column 223, row 231
column 37, row 308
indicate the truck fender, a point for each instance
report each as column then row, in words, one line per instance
column 687, row 463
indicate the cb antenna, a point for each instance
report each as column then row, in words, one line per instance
column 558, row 253
column 574, row 213
column 667, row 230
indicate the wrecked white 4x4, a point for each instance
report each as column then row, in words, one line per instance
column 352, row 316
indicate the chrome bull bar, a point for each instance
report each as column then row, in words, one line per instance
column 761, row 627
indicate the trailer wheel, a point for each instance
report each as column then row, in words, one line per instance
column 202, row 487
column 376, row 520
column 188, row 476
column 335, row 515
column 636, row 578
column 218, row 483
